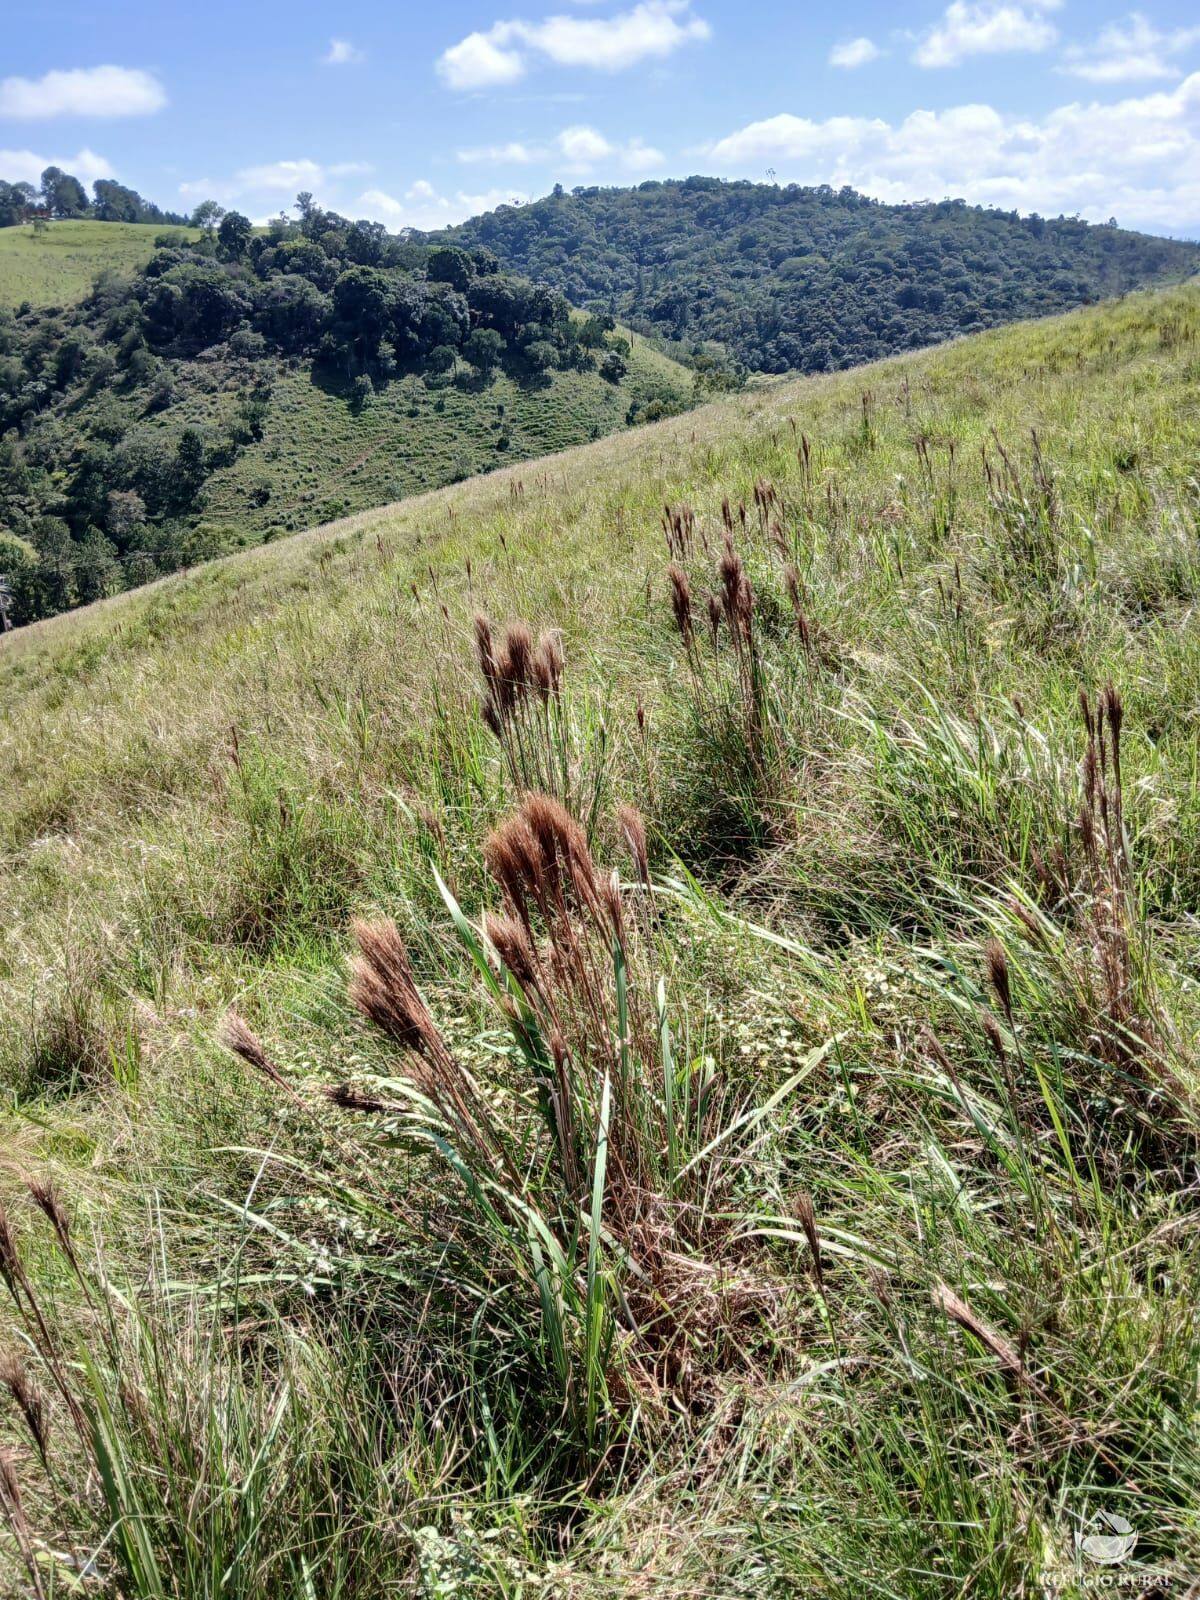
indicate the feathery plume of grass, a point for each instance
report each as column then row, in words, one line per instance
column 238, row 1036
column 681, row 602
column 545, row 746
column 29, row 1401
column 996, row 963
column 11, row 1270
column 45, row 1196
column 384, row 990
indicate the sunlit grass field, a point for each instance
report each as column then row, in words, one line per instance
column 320, row 459
column 754, row 1152
column 57, row 267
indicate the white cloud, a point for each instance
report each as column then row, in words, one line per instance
column 854, row 53
column 342, row 53
column 83, row 92
column 639, row 157
column 263, row 188
column 293, row 176
column 422, row 206
column 986, row 28
column 1127, row 51
column 25, row 166
column 1138, row 159
column 580, row 147
column 653, row 29
column 478, row 62
column 583, row 146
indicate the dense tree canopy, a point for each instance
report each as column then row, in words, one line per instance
column 791, row 278
column 98, row 488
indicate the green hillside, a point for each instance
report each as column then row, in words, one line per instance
column 784, row 1187
column 789, row 278
column 57, row 265
column 319, row 459
column 249, row 385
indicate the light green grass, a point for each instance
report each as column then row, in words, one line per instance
column 351, row 1369
column 319, row 459
column 57, row 267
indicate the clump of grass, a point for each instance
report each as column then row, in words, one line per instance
column 549, row 745
column 597, row 1186
column 77, row 1034
column 198, row 1453
column 1089, row 966
column 754, row 690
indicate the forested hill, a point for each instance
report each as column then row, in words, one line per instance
column 791, row 278
column 239, row 385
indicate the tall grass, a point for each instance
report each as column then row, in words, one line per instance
column 753, row 1148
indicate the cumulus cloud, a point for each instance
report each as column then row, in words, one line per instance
column 1138, row 159
column 82, row 92
column 422, row 206
column 653, row 29
column 1127, row 51
column 580, row 147
column 342, row 53
column 262, row 187
column 478, row 62
column 638, row 157
column 986, row 28
column 854, row 53
column 26, row 166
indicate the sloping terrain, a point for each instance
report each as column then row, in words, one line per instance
column 248, row 384
column 811, row 280
column 807, row 1210
column 57, row 265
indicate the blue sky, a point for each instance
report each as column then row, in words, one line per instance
column 421, row 114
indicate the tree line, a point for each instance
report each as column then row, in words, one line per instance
column 60, row 196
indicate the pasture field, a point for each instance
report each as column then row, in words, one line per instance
column 58, row 266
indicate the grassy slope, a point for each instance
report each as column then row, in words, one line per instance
column 58, row 267
column 318, row 459
column 205, row 779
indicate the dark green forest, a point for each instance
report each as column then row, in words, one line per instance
column 103, row 475
column 813, row 279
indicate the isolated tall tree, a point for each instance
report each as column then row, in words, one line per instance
column 207, row 214
column 309, row 210
column 234, row 234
